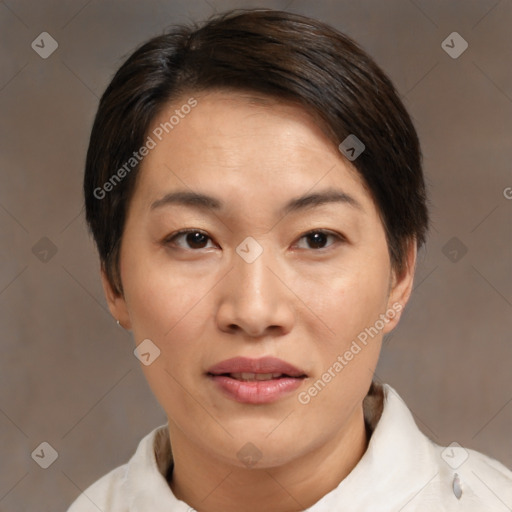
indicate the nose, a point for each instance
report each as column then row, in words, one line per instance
column 255, row 300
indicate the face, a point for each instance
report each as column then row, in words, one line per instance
column 265, row 268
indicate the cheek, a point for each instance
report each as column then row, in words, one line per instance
column 350, row 302
column 349, row 355
column 348, row 299
column 160, row 298
column 172, row 310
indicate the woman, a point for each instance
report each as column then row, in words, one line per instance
column 254, row 187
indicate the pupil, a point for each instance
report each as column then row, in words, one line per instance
column 318, row 238
column 196, row 238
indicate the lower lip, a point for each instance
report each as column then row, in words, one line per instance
column 256, row 392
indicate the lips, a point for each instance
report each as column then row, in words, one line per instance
column 247, row 376
column 256, row 381
column 243, row 368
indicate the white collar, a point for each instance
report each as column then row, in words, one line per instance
column 398, row 461
column 402, row 469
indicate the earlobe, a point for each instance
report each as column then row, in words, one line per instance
column 116, row 302
column 401, row 286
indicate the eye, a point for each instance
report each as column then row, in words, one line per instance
column 197, row 239
column 318, row 238
column 194, row 237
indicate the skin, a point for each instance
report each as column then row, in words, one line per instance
column 300, row 301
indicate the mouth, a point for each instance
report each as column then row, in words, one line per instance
column 250, row 377
column 264, row 368
column 256, row 381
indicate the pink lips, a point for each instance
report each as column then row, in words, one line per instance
column 255, row 391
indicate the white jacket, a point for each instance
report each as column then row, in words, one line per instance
column 401, row 471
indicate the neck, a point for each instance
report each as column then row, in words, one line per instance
column 207, row 484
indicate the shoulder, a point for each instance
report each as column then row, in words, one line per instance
column 120, row 488
column 444, row 478
column 104, row 494
column 479, row 482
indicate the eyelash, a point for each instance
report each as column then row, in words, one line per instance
column 171, row 238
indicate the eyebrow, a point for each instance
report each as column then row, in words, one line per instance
column 206, row 202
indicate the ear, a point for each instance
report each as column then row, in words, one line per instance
column 116, row 302
column 401, row 287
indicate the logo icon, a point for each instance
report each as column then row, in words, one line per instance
column 249, row 250
column 45, row 455
column 249, row 455
column 454, row 455
column 454, row 249
column 351, row 147
column 44, row 45
column 454, row 45
column 146, row 352
column 44, row 250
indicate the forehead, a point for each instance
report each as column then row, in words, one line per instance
column 238, row 145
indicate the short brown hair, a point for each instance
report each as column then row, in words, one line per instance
column 279, row 54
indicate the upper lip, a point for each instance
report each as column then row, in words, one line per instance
column 261, row 365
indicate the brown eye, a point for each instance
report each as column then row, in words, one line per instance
column 194, row 239
column 318, row 239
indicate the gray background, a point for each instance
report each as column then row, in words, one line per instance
column 68, row 375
